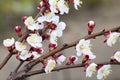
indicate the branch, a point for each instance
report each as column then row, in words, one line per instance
column 5, row 60
column 64, row 67
column 30, row 65
column 20, row 64
column 65, row 46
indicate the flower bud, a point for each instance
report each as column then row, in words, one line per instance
column 91, row 25
column 72, row 60
column 24, row 18
column 18, row 30
column 52, row 46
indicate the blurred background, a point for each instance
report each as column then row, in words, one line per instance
column 105, row 13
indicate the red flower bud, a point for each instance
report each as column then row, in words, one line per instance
column 24, row 18
column 86, row 59
column 52, row 46
column 72, row 60
column 91, row 25
column 18, row 30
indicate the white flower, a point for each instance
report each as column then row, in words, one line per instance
column 59, row 5
column 35, row 40
column 50, row 17
column 61, row 59
column 31, row 25
column 73, row 59
column 29, row 21
column 8, row 42
column 90, row 54
column 91, row 69
column 117, row 56
column 57, row 33
column 53, row 6
column 50, row 66
column 63, row 7
column 103, row 72
column 24, row 55
column 35, row 55
column 113, row 38
column 83, row 47
column 36, row 26
column 77, row 3
column 20, row 46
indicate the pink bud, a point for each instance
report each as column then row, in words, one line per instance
column 24, row 18
column 18, row 30
column 91, row 25
column 72, row 60
column 86, row 59
column 52, row 46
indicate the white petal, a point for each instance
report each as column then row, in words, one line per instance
column 50, row 66
column 35, row 40
column 24, row 55
column 29, row 21
column 61, row 26
column 20, row 46
column 113, row 38
column 61, row 59
column 35, row 54
column 117, row 56
column 8, row 42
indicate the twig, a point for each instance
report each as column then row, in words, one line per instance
column 30, row 65
column 64, row 67
column 5, row 60
column 20, row 64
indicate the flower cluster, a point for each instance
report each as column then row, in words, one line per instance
column 58, row 6
column 45, row 27
column 48, row 27
column 102, row 70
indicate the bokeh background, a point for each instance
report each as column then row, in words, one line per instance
column 106, row 14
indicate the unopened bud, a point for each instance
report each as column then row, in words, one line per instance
column 18, row 30
column 91, row 25
column 52, row 46
column 24, row 18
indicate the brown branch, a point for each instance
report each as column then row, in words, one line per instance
column 63, row 68
column 30, row 65
column 65, row 46
column 20, row 64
